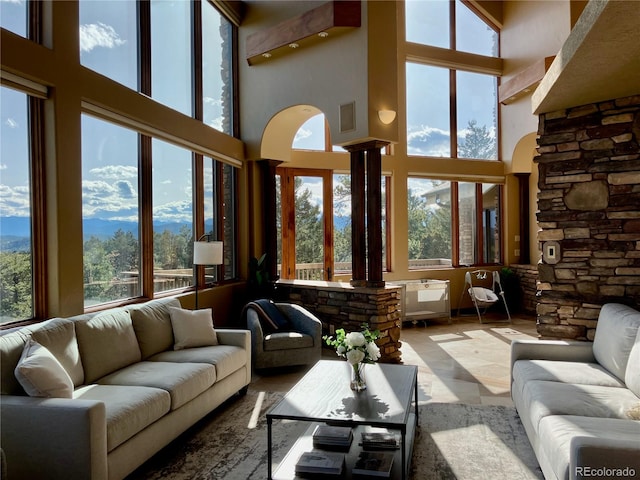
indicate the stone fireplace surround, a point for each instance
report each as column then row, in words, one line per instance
column 589, row 213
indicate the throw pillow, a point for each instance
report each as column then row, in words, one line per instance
column 192, row 328
column 41, row 374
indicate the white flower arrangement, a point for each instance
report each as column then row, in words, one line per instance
column 356, row 347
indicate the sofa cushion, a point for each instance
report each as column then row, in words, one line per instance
column 129, row 409
column 226, row 358
column 565, row 372
column 558, row 432
column 632, row 375
column 616, row 333
column 287, row 340
column 192, row 328
column 152, row 324
column 59, row 337
column 11, row 348
column 41, row 375
column 554, row 398
column 183, row 381
column 107, row 343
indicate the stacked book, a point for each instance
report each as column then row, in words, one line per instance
column 317, row 462
column 380, row 439
column 374, row 464
column 332, row 437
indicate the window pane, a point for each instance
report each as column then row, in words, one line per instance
column 310, row 136
column 342, row 224
column 428, row 114
column 171, row 68
column 13, row 16
column 16, row 274
column 210, row 211
column 309, row 228
column 427, row 22
column 217, row 73
column 477, row 122
column 172, row 216
column 491, row 222
column 429, row 223
column 467, row 222
column 110, row 212
column 473, row 35
column 108, row 39
column 229, row 219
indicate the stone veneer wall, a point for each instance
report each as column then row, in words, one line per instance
column 589, row 203
column 339, row 305
column 528, row 278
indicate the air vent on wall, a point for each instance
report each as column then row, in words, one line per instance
column 347, row 117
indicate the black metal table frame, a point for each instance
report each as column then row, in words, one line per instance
column 394, row 426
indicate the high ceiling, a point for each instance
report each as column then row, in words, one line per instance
column 599, row 61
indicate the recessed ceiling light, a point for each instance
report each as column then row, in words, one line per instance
column 293, row 45
column 323, row 34
column 266, row 55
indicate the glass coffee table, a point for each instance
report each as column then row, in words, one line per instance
column 323, row 396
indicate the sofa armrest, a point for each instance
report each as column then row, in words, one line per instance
column 55, row 438
column 238, row 338
column 591, row 455
column 562, row 350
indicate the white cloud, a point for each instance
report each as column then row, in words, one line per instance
column 94, row 35
column 104, row 200
column 115, row 172
column 302, row 134
column 17, row 2
column 3, row 166
column 11, row 123
column 15, row 201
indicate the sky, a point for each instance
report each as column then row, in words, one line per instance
column 108, row 45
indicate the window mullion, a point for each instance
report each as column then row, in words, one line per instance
column 144, row 46
column 38, row 208
column 145, row 179
column 479, row 226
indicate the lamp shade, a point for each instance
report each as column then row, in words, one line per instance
column 207, row 253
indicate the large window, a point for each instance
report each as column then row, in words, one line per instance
column 16, row 246
column 172, row 216
column 111, row 43
column 437, row 208
column 109, row 40
column 429, row 223
column 451, row 112
column 217, row 68
column 171, row 68
column 430, row 23
column 110, row 212
column 479, row 223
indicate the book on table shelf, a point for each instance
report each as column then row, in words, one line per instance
column 317, row 462
column 373, row 464
column 379, row 439
column 332, row 437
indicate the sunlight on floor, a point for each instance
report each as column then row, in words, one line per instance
column 255, row 414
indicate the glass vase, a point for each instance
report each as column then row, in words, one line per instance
column 358, row 383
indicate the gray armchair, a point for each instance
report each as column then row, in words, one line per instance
column 294, row 337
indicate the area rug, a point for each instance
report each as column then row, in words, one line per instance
column 457, row 441
column 453, row 441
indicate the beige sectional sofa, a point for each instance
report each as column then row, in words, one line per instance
column 131, row 392
column 580, row 401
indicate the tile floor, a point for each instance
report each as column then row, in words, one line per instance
column 462, row 362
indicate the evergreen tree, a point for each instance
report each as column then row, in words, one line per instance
column 478, row 143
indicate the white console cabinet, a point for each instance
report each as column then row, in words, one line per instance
column 424, row 299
